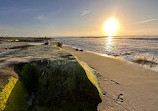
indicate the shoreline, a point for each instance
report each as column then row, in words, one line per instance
column 145, row 66
column 125, row 86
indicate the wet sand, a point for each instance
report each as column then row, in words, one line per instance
column 125, row 86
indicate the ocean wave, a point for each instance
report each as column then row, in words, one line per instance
column 147, row 56
column 130, row 48
column 146, row 59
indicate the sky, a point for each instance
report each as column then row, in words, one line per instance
column 57, row 18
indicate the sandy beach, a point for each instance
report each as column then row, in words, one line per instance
column 79, row 55
column 9, row 46
column 125, row 86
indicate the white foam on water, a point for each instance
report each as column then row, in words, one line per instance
column 129, row 48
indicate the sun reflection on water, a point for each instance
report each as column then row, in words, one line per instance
column 109, row 43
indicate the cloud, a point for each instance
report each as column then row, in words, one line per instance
column 145, row 21
column 85, row 12
column 40, row 17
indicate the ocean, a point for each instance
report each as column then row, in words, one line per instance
column 130, row 48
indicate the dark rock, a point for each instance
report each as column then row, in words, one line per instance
column 47, row 43
column 81, row 50
column 59, row 44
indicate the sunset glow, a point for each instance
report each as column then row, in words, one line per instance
column 111, row 27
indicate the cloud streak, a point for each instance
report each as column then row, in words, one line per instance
column 146, row 21
column 40, row 17
column 85, row 12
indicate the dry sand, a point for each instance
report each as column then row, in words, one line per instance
column 6, row 46
column 125, row 85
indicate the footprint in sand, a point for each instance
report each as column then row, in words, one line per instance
column 120, row 98
column 114, row 82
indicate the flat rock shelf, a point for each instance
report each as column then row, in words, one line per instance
column 45, row 78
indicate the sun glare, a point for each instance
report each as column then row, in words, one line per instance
column 111, row 27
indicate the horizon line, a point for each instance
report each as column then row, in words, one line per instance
column 71, row 36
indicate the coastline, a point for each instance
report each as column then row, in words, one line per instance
column 130, row 49
column 145, row 66
column 125, row 86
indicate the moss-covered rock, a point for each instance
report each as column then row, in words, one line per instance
column 12, row 97
column 30, row 77
column 17, row 100
column 65, row 86
column 58, row 82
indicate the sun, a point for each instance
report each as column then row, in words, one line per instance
column 111, row 27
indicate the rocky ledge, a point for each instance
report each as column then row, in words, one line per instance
column 46, row 78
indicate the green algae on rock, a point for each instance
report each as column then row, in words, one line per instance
column 6, row 90
column 62, row 83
